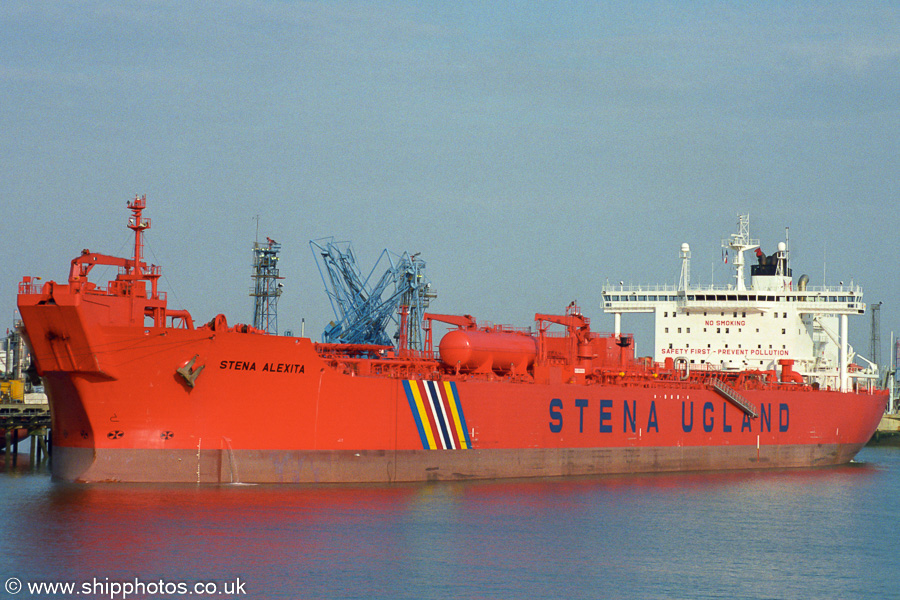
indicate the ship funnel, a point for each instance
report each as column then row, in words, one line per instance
column 801, row 283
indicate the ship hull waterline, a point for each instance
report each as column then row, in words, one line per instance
column 382, row 466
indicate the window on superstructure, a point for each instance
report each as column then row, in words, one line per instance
column 670, row 346
column 744, row 315
column 667, row 330
column 718, row 330
column 727, row 329
column 666, row 314
column 679, row 330
column 688, row 329
column 784, row 315
column 735, row 315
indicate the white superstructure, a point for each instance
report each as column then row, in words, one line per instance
column 741, row 328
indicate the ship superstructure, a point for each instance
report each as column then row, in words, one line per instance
column 759, row 327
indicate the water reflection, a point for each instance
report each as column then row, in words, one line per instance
column 586, row 537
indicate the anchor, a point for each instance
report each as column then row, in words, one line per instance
column 188, row 372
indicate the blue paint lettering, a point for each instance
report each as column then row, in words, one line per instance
column 629, row 416
column 784, row 417
column 725, row 426
column 605, row 416
column 651, row 420
column 745, row 424
column 556, row 420
column 707, row 425
column 581, row 404
column 765, row 418
column 687, row 426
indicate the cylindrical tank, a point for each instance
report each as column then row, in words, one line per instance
column 500, row 351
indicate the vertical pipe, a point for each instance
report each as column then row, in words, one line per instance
column 892, row 375
column 844, row 351
column 44, row 445
column 32, row 452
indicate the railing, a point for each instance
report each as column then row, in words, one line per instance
column 30, row 288
column 729, row 289
column 730, row 394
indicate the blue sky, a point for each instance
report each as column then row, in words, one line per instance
column 530, row 151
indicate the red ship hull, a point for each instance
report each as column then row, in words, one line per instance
column 137, row 393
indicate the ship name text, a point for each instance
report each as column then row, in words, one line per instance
column 709, row 417
column 269, row 367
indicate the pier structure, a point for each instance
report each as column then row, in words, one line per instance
column 24, row 408
column 19, row 420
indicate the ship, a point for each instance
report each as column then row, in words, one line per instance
column 139, row 392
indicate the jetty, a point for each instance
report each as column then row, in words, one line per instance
column 20, row 420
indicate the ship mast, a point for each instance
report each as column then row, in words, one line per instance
column 266, row 287
column 684, row 281
column 740, row 242
column 138, row 224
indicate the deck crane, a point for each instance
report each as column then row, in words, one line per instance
column 365, row 308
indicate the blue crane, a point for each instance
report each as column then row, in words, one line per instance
column 364, row 307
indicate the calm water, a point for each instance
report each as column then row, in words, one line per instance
column 824, row 533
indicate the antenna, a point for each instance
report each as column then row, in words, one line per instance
column 876, row 333
column 787, row 247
